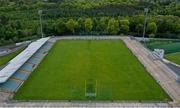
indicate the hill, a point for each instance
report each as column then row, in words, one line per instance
column 19, row 19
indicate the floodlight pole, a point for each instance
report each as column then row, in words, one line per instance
column 145, row 21
column 40, row 19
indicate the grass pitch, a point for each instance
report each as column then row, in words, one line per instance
column 117, row 73
column 174, row 57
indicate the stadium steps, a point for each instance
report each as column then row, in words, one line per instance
column 24, row 71
column 47, row 46
column 42, row 53
column 17, row 79
column 38, row 55
column 11, row 85
column 44, row 49
column 27, row 67
column 34, row 60
column 20, row 75
column 30, row 63
column 3, row 90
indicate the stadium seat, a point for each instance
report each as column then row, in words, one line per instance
column 34, row 60
column 38, row 55
column 11, row 85
column 20, row 75
column 42, row 52
column 46, row 47
column 49, row 45
column 27, row 67
column 24, row 71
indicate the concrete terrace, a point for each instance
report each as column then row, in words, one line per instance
column 162, row 73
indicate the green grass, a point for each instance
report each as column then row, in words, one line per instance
column 174, row 57
column 170, row 46
column 63, row 72
column 6, row 58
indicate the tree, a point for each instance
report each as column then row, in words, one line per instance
column 60, row 27
column 139, row 28
column 2, row 32
column 4, row 20
column 9, row 33
column 124, row 29
column 124, row 22
column 4, row 2
column 113, row 26
column 72, row 25
column 88, row 24
column 167, row 24
column 135, row 20
column 102, row 24
column 177, row 30
column 152, row 29
column 20, row 2
column 81, row 24
column 48, row 28
column 124, row 26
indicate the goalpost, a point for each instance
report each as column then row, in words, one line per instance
column 90, row 88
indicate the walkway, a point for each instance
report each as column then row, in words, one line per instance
column 162, row 73
column 87, row 104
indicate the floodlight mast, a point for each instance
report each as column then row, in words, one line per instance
column 40, row 19
column 145, row 21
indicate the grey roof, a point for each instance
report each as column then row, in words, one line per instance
column 20, row 59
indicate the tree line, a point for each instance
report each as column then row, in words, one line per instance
column 157, row 26
column 19, row 19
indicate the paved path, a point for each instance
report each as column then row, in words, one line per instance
column 87, row 104
column 175, row 68
column 10, row 49
column 163, row 74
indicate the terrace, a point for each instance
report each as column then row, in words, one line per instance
column 17, row 74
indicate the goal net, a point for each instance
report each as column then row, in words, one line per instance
column 91, row 88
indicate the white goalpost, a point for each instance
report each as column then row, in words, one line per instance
column 90, row 88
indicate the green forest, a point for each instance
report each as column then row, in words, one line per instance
column 19, row 19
